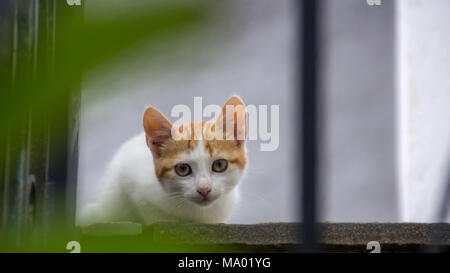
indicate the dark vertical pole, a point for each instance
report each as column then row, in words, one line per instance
column 63, row 130
column 38, row 149
column 309, row 134
column 39, row 133
column 438, row 234
column 16, row 166
column 7, row 23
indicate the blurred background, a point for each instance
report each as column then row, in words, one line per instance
column 248, row 47
column 75, row 80
column 245, row 48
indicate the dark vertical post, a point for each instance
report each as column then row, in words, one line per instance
column 39, row 111
column 17, row 149
column 438, row 234
column 309, row 133
column 39, row 133
column 7, row 14
column 63, row 130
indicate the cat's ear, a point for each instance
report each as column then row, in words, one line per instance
column 157, row 130
column 234, row 116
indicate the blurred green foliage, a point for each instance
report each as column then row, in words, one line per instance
column 37, row 82
column 87, row 44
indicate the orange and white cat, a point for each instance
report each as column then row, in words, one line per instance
column 155, row 177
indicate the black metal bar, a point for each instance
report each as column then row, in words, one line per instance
column 39, row 150
column 439, row 234
column 445, row 203
column 6, row 66
column 17, row 150
column 63, row 130
column 309, row 131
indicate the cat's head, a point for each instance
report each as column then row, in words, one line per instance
column 200, row 161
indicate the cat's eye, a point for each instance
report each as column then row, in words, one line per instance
column 183, row 169
column 220, row 165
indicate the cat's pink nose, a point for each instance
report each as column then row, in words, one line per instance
column 203, row 191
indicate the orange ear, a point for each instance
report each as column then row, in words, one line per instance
column 234, row 116
column 157, row 129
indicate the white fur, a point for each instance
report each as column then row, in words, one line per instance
column 130, row 190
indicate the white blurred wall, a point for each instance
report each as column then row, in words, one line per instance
column 423, row 44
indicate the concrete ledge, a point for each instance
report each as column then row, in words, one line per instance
column 112, row 229
column 341, row 237
column 259, row 234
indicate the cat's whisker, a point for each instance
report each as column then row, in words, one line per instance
column 181, row 202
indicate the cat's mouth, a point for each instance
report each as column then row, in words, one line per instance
column 204, row 202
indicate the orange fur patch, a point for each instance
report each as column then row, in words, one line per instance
column 170, row 152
